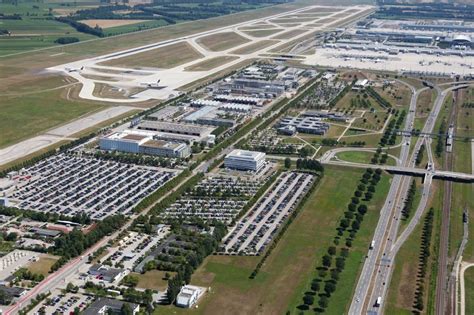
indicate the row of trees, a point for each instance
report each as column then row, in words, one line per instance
column 468, row 105
column 66, row 40
column 379, row 157
column 81, row 27
column 441, row 139
column 80, row 218
column 332, row 264
column 382, row 101
column 418, row 303
column 73, row 244
column 390, row 136
column 309, row 164
column 204, row 245
column 359, row 102
column 408, row 206
column 420, row 154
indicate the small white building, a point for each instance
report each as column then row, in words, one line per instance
column 188, row 296
column 245, row 160
column 360, row 84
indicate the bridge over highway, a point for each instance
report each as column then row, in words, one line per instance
column 412, row 171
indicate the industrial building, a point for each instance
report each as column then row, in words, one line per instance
column 103, row 306
column 327, row 115
column 311, row 125
column 176, row 128
column 360, row 84
column 106, row 273
column 164, row 113
column 133, row 141
column 245, row 160
column 188, row 296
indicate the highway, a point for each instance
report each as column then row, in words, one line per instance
column 377, row 254
column 381, row 271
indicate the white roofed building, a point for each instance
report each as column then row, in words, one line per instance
column 245, row 160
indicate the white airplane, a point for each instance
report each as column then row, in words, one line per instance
column 152, row 84
column 75, row 69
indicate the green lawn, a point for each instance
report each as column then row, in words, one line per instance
column 371, row 140
column 286, row 275
column 355, row 261
column 469, row 286
column 26, row 115
column 356, row 156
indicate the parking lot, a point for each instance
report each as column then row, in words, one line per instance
column 216, row 197
column 131, row 248
column 70, row 185
column 63, row 303
column 255, row 231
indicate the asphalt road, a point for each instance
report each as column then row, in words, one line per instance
column 383, row 268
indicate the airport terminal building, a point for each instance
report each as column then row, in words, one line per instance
column 245, row 160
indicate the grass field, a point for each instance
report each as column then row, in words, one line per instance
column 165, row 57
column 211, row 63
column 469, row 286
column 342, row 297
column 153, row 280
column 402, row 288
column 371, row 120
column 251, row 48
column 285, row 276
column 289, row 34
column 43, row 265
column 262, row 33
column 371, row 140
column 464, row 201
column 397, row 94
column 356, row 156
column 222, row 41
column 25, row 115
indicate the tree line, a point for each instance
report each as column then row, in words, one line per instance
column 424, row 254
column 332, row 264
column 76, row 242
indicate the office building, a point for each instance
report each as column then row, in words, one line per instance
column 245, row 160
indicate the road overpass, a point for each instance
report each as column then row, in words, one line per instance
column 411, row 171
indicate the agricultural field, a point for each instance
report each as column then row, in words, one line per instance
column 164, row 57
column 222, row 41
